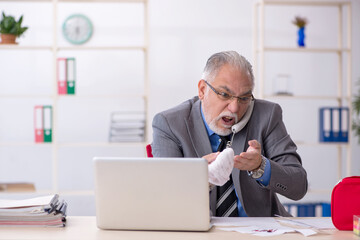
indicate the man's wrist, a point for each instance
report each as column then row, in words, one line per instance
column 254, row 170
column 257, row 173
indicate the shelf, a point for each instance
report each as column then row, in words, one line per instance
column 23, row 144
column 112, row 144
column 141, row 48
column 26, row 96
column 48, row 192
column 339, row 144
column 308, row 97
column 339, row 81
column 66, row 148
column 303, row 3
column 47, row 47
column 104, row 1
column 29, row 1
column 306, row 49
column 72, row 144
column 78, row 1
column 22, row 47
column 100, row 144
column 319, row 191
column 104, row 96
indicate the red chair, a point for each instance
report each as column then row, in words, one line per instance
column 149, row 150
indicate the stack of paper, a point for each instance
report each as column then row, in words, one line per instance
column 47, row 211
column 127, row 127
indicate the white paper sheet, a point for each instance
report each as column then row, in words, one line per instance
column 38, row 201
column 268, row 226
column 317, row 223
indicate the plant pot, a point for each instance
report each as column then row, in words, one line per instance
column 8, row 39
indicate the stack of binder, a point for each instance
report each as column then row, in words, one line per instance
column 127, row 127
column 319, row 209
column 334, row 124
column 47, row 211
column 43, row 123
column 66, row 75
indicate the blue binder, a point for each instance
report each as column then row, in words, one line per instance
column 315, row 209
column 334, row 124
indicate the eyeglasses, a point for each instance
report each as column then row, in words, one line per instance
column 225, row 96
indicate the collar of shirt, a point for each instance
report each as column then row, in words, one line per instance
column 213, row 137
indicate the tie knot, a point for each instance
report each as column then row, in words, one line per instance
column 224, row 138
column 223, row 142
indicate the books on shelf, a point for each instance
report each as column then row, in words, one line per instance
column 46, row 211
column 127, row 127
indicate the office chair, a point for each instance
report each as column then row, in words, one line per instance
column 149, row 150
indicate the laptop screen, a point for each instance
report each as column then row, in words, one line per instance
column 152, row 193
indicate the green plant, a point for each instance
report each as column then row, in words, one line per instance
column 8, row 25
column 300, row 21
column 356, row 119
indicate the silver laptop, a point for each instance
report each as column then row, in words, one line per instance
column 152, row 193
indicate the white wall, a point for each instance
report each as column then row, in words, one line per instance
column 183, row 34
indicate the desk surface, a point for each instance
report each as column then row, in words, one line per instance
column 85, row 228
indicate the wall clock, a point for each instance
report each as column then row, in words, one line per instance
column 77, row 29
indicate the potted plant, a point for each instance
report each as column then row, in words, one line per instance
column 10, row 29
column 356, row 119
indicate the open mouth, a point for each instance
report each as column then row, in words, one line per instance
column 228, row 120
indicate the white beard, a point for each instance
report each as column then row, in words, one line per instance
column 226, row 130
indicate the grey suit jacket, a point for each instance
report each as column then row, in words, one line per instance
column 180, row 132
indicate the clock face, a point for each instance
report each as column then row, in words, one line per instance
column 77, row 29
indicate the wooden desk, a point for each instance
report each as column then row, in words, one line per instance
column 85, row 228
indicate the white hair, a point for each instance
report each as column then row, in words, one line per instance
column 217, row 60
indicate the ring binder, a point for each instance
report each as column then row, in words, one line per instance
column 47, row 115
column 334, row 124
column 62, row 75
column 70, row 80
column 38, row 124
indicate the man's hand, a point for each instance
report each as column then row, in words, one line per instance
column 211, row 157
column 251, row 159
column 221, row 168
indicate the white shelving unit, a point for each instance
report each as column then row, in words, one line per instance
column 341, row 52
column 58, row 48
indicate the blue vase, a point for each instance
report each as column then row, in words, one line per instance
column 301, row 37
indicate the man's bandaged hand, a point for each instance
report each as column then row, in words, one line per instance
column 221, row 168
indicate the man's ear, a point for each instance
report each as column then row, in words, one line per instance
column 201, row 89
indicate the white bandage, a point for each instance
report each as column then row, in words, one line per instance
column 221, row 168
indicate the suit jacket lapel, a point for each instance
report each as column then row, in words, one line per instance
column 197, row 131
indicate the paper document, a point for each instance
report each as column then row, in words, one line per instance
column 46, row 200
column 267, row 232
column 317, row 223
column 47, row 211
column 268, row 226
